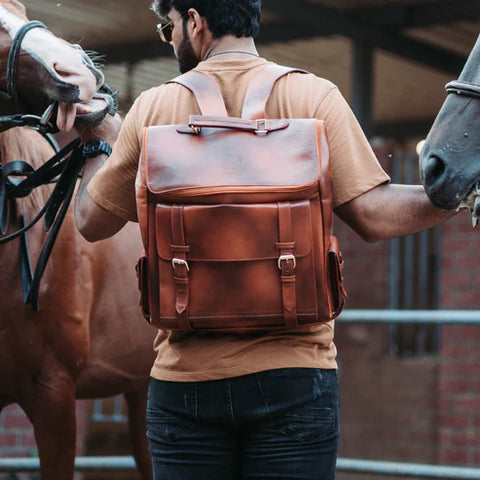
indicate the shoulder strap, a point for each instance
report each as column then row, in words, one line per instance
column 210, row 99
column 206, row 91
column 260, row 89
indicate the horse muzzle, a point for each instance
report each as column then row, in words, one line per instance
column 448, row 190
column 96, row 109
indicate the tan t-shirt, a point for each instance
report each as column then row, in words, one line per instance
column 355, row 170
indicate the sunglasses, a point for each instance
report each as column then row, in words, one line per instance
column 165, row 30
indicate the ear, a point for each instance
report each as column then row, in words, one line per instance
column 198, row 23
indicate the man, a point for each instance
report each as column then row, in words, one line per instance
column 244, row 406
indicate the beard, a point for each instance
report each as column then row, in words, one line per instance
column 187, row 60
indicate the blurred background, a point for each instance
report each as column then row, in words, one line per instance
column 409, row 392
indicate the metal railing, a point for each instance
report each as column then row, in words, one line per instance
column 436, row 317
column 357, row 466
column 350, row 465
column 406, row 470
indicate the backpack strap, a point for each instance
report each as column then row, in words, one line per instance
column 287, row 264
column 180, row 268
column 260, row 89
column 206, row 91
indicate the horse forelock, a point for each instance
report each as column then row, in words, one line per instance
column 28, row 145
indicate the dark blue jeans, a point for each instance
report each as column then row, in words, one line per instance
column 277, row 424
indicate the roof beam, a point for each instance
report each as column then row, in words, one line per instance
column 363, row 84
column 401, row 130
column 400, row 15
column 302, row 20
column 133, row 52
column 328, row 21
column 285, row 31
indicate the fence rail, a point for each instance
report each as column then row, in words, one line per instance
column 406, row 470
column 351, row 465
column 437, row 317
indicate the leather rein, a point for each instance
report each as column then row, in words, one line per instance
column 63, row 169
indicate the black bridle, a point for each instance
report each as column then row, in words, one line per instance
column 13, row 57
column 469, row 90
column 42, row 124
column 63, row 169
column 466, row 89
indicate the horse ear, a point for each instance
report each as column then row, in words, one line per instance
column 15, row 7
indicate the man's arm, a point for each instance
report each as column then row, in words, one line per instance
column 389, row 211
column 93, row 221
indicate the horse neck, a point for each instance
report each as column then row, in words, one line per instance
column 471, row 69
column 28, row 145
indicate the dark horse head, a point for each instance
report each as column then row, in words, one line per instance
column 42, row 69
column 450, row 158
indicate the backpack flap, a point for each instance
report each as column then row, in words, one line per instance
column 239, row 163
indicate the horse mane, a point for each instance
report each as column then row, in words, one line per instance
column 24, row 143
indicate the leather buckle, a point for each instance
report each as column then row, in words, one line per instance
column 196, row 130
column 179, row 261
column 262, row 128
column 286, row 258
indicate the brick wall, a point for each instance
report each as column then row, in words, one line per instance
column 388, row 405
column 422, row 409
column 459, row 378
column 16, row 433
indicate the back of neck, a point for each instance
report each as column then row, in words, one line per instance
column 235, row 48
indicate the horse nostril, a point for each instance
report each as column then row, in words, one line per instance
column 63, row 71
column 434, row 169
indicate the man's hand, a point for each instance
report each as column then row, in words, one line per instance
column 106, row 130
column 84, row 115
column 93, row 222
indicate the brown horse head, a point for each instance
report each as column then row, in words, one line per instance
column 48, row 69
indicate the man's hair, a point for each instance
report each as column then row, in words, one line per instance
column 236, row 17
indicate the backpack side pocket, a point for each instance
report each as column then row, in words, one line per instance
column 142, row 274
column 335, row 273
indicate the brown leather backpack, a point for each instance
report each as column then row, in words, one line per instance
column 236, row 217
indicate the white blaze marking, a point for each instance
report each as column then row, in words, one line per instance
column 37, row 42
column 62, row 60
